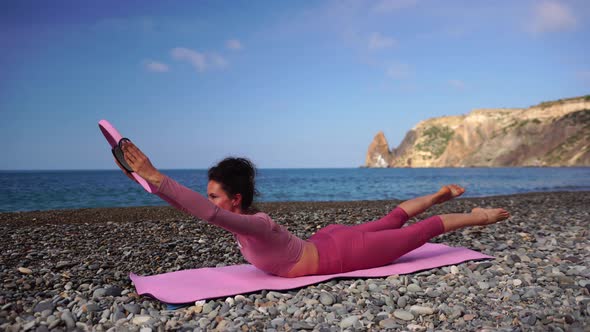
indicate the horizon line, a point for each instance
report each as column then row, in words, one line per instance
column 282, row 168
column 165, row 169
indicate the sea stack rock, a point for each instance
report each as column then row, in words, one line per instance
column 555, row 133
column 378, row 154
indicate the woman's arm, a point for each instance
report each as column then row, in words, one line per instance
column 200, row 207
column 190, row 201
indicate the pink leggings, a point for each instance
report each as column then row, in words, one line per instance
column 344, row 248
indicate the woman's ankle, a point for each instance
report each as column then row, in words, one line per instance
column 479, row 217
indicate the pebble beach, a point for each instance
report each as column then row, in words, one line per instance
column 68, row 270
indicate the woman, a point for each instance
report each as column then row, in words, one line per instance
column 332, row 249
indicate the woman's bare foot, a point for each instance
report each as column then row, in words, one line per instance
column 448, row 192
column 490, row 216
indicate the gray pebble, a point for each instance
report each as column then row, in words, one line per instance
column 349, row 321
column 456, row 313
column 140, row 319
column 415, row 328
column 433, row 293
column 414, row 288
column 42, row 328
column 118, row 315
column 46, row 313
column 402, row 314
column 29, row 326
column 224, row 309
column 42, row 306
column 529, row 294
column 531, row 319
column 208, row 307
column 302, row 325
column 113, row 291
column 53, row 324
column 132, row 308
column 421, row 310
column 63, row 264
column 68, row 319
column 203, row 322
column 402, row 301
column 277, row 322
column 483, row 285
column 83, row 287
column 82, row 326
column 483, row 266
column 388, row 323
column 330, row 317
column 240, row 298
column 98, row 293
column 92, row 307
column 326, row 298
column 515, row 298
column 212, row 314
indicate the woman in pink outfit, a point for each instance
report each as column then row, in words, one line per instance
column 332, row 249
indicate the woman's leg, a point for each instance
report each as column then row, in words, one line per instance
column 394, row 219
column 418, row 205
column 477, row 217
column 365, row 250
column 373, row 249
column 410, row 208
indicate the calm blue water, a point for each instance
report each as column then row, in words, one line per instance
column 46, row 190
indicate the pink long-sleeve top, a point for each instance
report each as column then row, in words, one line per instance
column 264, row 243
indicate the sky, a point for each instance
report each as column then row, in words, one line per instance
column 288, row 84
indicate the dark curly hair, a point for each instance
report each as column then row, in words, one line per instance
column 236, row 176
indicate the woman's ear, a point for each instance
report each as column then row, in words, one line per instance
column 237, row 200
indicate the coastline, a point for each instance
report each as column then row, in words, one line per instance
column 143, row 213
column 540, row 278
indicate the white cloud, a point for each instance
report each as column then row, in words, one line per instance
column 156, row 67
column 388, row 6
column 377, row 41
column 457, row 84
column 234, row 44
column 552, row 16
column 195, row 58
column 200, row 61
column 399, row 71
column 216, row 60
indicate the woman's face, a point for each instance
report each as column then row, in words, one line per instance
column 219, row 197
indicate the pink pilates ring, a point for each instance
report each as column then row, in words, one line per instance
column 113, row 138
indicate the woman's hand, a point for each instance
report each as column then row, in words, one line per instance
column 140, row 164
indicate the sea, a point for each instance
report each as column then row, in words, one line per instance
column 75, row 189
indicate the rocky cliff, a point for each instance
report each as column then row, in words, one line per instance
column 553, row 133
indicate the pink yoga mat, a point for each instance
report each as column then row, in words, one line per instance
column 206, row 283
column 113, row 137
